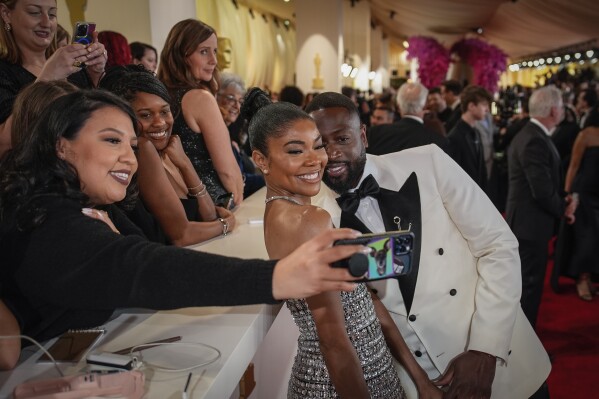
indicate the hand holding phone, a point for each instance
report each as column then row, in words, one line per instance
column 390, row 255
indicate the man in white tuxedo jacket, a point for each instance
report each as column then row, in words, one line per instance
column 458, row 309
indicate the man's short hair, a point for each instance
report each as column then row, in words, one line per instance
column 292, row 94
column 332, row 100
column 590, row 97
column 542, row 100
column 453, row 86
column 474, row 94
column 411, row 98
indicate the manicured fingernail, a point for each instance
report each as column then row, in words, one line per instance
column 366, row 250
column 87, row 211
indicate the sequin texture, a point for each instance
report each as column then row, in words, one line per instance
column 195, row 147
column 309, row 376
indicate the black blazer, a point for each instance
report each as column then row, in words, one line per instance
column 407, row 133
column 535, row 196
column 454, row 118
column 465, row 147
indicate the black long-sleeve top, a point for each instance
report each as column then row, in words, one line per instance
column 13, row 78
column 73, row 271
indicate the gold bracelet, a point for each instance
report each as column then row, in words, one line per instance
column 225, row 226
column 200, row 193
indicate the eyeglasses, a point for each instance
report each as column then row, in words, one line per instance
column 230, row 99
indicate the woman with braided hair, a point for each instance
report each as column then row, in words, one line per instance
column 168, row 183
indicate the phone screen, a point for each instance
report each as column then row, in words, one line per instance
column 83, row 32
column 390, row 255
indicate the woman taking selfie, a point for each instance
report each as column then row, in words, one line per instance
column 342, row 347
column 28, row 53
column 188, row 70
column 168, row 183
column 71, row 265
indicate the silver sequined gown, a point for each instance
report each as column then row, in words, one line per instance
column 309, row 376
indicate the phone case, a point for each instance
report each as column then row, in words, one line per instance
column 390, row 256
column 73, row 345
column 83, row 32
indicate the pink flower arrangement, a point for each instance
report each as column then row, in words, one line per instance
column 486, row 60
column 433, row 59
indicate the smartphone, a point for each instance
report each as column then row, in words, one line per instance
column 83, row 32
column 225, row 201
column 390, row 255
column 73, row 345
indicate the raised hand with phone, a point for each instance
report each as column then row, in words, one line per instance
column 84, row 52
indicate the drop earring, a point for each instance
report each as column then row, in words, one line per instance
column 7, row 26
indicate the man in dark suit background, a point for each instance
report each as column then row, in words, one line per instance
column 535, row 196
column 451, row 90
column 437, row 104
column 465, row 143
column 409, row 131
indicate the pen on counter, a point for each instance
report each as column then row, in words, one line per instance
column 184, row 395
column 152, row 344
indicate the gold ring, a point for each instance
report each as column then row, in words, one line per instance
column 77, row 64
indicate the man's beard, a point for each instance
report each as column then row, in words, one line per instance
column 355, row 169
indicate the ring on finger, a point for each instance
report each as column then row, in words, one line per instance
column 77, row 64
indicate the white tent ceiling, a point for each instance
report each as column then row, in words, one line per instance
column 518, row 27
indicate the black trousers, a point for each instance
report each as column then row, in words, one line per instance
column 533, row 258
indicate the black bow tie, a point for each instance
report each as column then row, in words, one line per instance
column 349, row 202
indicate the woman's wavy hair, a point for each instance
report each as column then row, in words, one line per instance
column 34, row 169
column 9, row 50
column 183, row 39
column 266, row 119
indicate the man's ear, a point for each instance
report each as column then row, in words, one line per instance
column 363, row 135
column 260, row 161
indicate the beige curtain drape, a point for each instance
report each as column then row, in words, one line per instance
column 263, row 53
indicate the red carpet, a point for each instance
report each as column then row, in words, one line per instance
column 569, row 330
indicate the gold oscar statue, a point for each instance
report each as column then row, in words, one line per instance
column 224, row 53
column 317, row 82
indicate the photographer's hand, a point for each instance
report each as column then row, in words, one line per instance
column 307, row 271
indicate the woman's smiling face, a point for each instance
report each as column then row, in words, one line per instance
column 103, row 155
column 155, row 118
column 296, row 160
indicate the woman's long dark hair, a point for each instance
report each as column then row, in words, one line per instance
column 34, row 170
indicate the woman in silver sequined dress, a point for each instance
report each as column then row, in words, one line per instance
column 342, row 347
